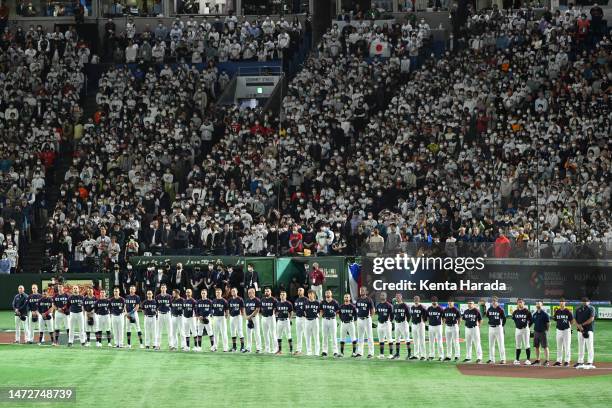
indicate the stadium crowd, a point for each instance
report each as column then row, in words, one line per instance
column 40, row 84
column 518, row 108
column 208, row 39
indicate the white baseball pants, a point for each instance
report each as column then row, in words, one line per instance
column 129, row 325
column 103, row 323
column 33, row 327
column 472, row 340
column 364, row 330
column 283, row 328
column 418, row 335
column 189, row 326
column 564, row 345
column 220, row 330
column 19, row 326
column 254, row 332
column 236, row 326
column 77, row 319
column 385, row 332
column 521, row 337
column 452, row 341
column 435, row 340
column 348, row 329
column 496, row 335
column 300, row 332
column 312, row 336
column 588, row 344
column 164, row 321
column 117, row 329
column 268, row 326
column 330, row 334
column 47, row 326
column 150, row 331
column 177, row 331
column 61, row 321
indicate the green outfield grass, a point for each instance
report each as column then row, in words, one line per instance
column 142, row 378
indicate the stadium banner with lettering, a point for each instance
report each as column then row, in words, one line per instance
column 465, row 277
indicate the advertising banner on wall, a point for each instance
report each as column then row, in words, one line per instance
column 465, row 277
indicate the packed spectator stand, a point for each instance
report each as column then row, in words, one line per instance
column 502, row 139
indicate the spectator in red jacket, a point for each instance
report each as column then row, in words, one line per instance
column 295, row 241
column 502, row 246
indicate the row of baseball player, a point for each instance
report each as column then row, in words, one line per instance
column 268, row 319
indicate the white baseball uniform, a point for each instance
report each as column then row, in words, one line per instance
column 19, row 326
column 129, row 326
column 402, row 332
column 348, row 329
column 385, row 332
column 150, row 331
column 521, row 336
column 201, row 326
column 177, row 331
column 47, row 325
column 283, row 329
column 102, row 322
column 435, row 339
column 254, row 332
column 61, row 320
column 189, row 326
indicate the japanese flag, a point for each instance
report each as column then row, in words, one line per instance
column 379, row 48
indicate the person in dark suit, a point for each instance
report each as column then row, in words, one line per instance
column 179, row 278
column 251, row 279
column 235, row 278
column 196, row 280
column 153, row 237
column 160, row 278
column 148, row 279
column 128, row 278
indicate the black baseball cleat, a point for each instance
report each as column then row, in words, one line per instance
column 536, row 362
column 577, row 365
column 323, row 354
column 243, row 350
column 557, row 364
column 502, row 362
column 395, row 357
column 430, row 359
column 413, row 358
column 422, row 358
column 456, row 358
column 147, row 347
column 447, row 359
column 340, row 355
column 566, row 364
column 370, row 356
column 336, row 355
column 489, row 362
column 478, row 361
column 466, row 360
column 356, row 355
column 440, row 359
column 545, row 363
column 69, row 344
column 30, row 342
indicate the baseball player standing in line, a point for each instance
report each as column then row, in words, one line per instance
column 102, row 319
column 472, row 319
column 33, row 316
column 585, row 317
column 164, row 320
column 563, row 322
column 176, row 311
column 300, row 319
column 62, row 313
column 311, row 310
column 452, row 320
column 541, row 324
column 132, row 305
column 522, row 320
column 20, row 306
column 189, row 321
column 418, row 316
column 45, row 310
column 348, row 316
column 497, row 321
column 384, row 310
column 89, row 302
column 220, row 312
column 434, row 316
column 329, row 311
column 236, row 310
column 203, row 312
column 252, row 306
column 77, row 317
column 365, row 310
column 401, row 314
column 268, row 322
column 149, row 310
column 283, row 322
column 117, row 310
